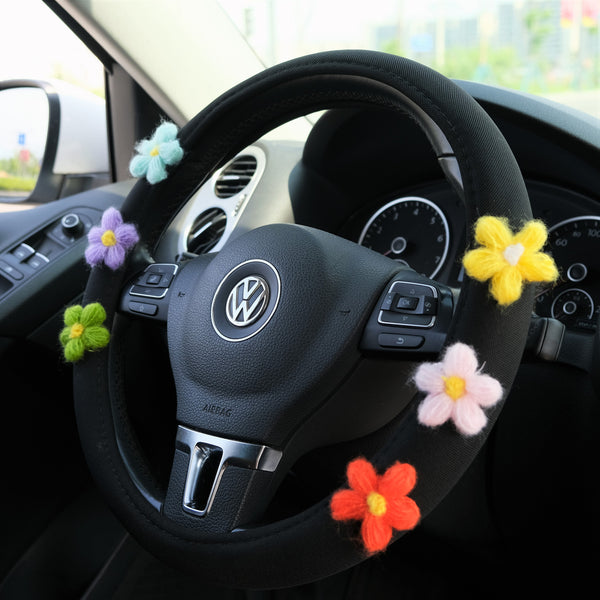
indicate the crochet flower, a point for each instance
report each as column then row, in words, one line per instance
column 456, row 390
column 509, row 260
column 379, row 501
column 110, row 242
column 83, row 330
column 156, row 153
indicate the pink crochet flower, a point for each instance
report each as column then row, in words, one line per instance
column 456, row 390
column 110, row 242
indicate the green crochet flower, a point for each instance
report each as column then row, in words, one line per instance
column 83, row 331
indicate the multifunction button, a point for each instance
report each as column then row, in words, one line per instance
column 147, row 295
column 143, row 308
column 408, row 304
column 154, row 281
column 412, row 317
column 391, row 340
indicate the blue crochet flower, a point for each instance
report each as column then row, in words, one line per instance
column 156, row 153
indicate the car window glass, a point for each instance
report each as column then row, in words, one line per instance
column 36, row 44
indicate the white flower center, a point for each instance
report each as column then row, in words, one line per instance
column 513, row 253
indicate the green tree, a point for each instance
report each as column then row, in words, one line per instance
column 538, row 23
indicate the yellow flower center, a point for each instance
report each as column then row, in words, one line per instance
column 76, row 331
column 377, row 504
column 154, row 151
column 512, row 254
column 108, row 238
column 454, row 386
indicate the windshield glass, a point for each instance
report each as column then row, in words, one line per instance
column 545, row 47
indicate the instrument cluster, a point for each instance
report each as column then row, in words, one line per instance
column 426, row 234
column 413, row 231
column 575, row 299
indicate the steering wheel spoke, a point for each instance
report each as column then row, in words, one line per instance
column 148, row 294
column 412, row 316
column 219, row 484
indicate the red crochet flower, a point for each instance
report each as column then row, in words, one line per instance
column 379, row 501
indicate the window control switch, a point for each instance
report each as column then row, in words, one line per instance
column 22, row 252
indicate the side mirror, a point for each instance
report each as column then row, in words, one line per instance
column 53, row 141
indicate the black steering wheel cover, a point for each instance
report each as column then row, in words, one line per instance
column 310, row 545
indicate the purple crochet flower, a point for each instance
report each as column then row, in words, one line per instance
column 110, row 242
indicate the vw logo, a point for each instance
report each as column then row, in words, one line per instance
column 247, row 301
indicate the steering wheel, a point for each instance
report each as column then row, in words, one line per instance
column 261, row 384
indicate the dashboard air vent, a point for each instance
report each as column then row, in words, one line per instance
column 236, row 176
column 206, row 231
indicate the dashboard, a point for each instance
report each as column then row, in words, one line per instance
column 371, row 177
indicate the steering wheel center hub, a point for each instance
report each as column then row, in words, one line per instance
column 269, row 339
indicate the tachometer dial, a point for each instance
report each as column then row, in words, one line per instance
column 411, row 230
column 575, row 247
column 573, row 306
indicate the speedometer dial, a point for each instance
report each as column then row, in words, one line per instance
column 411, row 230
column 575, row 247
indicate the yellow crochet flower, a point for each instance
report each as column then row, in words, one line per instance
column 509, row 260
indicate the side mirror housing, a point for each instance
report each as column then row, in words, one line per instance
column 53, row 140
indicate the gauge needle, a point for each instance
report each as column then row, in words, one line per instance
column 543, row 291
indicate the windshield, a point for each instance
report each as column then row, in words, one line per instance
column 545, row 47
column 187, row 52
